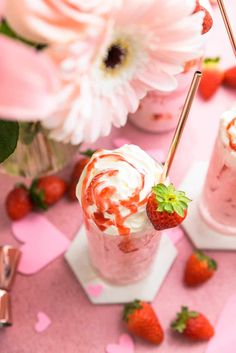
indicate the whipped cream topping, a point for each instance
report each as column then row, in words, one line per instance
column 227, row 134
column 114, row 187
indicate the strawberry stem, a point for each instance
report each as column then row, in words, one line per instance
column 170, row 200
column 88, row 153
column 37, row 196
column 180, row 323
column 212, row 264
column 130, row 308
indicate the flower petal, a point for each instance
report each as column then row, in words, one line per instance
column 28, row 82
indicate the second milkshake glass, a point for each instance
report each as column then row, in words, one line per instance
column 218, row 202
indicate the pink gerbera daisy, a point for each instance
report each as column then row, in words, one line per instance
column 146, row 44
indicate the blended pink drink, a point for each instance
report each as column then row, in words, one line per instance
column 159, row 111
column 218, row 203
column 113, row 192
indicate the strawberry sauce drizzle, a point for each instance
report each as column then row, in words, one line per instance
column 94, row 194
column 231, row 143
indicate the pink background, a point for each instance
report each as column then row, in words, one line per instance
column 80, row 327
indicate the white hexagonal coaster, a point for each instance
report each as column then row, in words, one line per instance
column 202, row 236
column 101, row 292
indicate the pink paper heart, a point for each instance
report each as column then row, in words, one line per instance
column 125, row 345
column 94, row 290
column 43, row 322
column 43, row 242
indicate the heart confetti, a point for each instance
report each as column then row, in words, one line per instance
column 125, row 345
column 43, row 322
column 94, row 290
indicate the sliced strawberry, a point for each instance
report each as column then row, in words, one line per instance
column 207, row 21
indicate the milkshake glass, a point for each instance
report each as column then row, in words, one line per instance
column 113, row 192
column 218, row 202
column 159, row 111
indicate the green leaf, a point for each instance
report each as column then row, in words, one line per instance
column 88, row 152
column 160, row 207
column 8, row 31
column 37, row 196
column 9, row 133
column 168, row 207
column 178, row 209
column 130, row 308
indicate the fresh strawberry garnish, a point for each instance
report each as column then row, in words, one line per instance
column 193, row 325
column 18, row 203
column 47, row 190
column 166, row 207
column 199, row 269
column 212, row 78
column 76, row 173
column 207, row 21
column 142, row 321
column 230, row 77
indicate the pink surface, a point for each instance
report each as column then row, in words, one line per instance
column 125, row 345
column 43, row 322
column 43, row 242
column 175, row 234
column 80, row 327
column 225, row 338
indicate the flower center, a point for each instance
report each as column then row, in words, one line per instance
column 115, row 56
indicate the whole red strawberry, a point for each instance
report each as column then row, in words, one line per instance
column 212, row 78
column 76, row 173
column 230, row 77
column 47, row 190
column 193, row 325
column 18, row 203
column 142, row 321
column 207, row 21
column 199, row 269
column 166, row 207
column 75, row 176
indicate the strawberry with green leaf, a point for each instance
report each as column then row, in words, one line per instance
column 193, row 325
column 166, row 207
column 46, row 191
column 212, row 77
column 142, row 321
column 199, row 269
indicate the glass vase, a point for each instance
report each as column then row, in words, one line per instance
column 36, row 154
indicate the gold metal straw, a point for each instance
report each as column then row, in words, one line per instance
column 180, row 127
column 227, row 25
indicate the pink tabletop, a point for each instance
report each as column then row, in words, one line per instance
column 80, row 327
